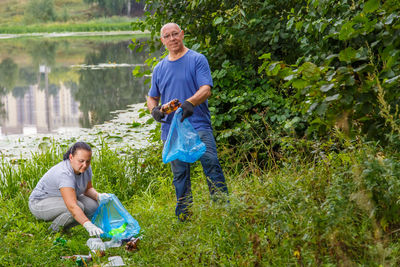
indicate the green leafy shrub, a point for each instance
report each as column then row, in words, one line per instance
column 350, row 51
column 40, row 11
column 306, row 66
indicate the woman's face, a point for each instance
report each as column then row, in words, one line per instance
column 80, row 161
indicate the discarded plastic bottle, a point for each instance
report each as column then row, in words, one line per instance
column 171, row 106
column 115, row 261
column 113, row 243
column 95, row 244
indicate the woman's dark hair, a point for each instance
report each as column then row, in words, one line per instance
column 78, row 145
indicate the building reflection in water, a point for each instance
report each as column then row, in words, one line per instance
column 51, row 85
column 38, row 110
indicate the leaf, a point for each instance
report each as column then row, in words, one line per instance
column 327, row 87
column 289, row 24
column 218, row 20
column 299, row 83
column 135, row 125
column 289, row 78
column 43, row 146
column 347, row 54
column 390, row 18
column 363, row 68
column 136, row 70
column 371, row 6
column 331, row 56
column 346, row 31
column 114, row 138
column 331, row 98
column 265, row 56
column 389, row 81
column 321, row 110
column 274, row 68
column 299, row 25
column 309, row 70
column 350, row 81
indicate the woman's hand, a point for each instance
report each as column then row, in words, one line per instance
column 92, row 229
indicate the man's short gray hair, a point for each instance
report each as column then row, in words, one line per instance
column 168, row 24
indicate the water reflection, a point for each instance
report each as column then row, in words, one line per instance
column 47, row 85
column 102, row 90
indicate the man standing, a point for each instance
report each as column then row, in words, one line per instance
column 185, row 75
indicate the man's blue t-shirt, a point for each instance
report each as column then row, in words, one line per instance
column 181, row 79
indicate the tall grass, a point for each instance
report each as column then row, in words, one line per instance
column 326, row 211
column 67, row 27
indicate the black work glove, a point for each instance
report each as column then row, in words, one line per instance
column 157, row 114
column 187, row 110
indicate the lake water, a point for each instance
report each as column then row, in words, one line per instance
column 68, row 87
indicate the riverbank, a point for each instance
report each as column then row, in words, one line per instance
column 91, row 26
column 70, row 34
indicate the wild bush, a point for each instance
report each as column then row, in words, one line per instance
column 40, row 11
column 300, row 67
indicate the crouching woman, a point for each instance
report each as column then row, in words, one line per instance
column 65, row 194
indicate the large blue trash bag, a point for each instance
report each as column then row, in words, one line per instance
column 115, row 220
column 183, row 142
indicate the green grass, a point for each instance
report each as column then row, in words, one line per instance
column 312, row 212
column 13, row 11
column 90, row 26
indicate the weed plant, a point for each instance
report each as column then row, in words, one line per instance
column 338, row 207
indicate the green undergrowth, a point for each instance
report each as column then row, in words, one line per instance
column 329, row 207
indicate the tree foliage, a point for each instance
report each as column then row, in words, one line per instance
column 40, row 11
column 296, row 68
column 119, row 7
column 8, row 75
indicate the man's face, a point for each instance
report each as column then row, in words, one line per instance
column 80, row 161
column 172, row 38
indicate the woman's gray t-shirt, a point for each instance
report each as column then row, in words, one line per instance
column 59, row 176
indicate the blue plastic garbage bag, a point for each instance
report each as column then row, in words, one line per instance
column 115, row 220
column 183, row 142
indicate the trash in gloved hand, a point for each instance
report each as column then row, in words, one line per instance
column 171, row 106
